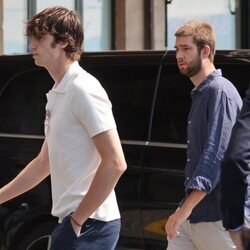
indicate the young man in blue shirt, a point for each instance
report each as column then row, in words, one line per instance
column 196, row 224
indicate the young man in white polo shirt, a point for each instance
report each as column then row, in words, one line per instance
column 82, row 150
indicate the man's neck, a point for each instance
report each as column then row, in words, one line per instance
column 202, row 74
column 58, row 70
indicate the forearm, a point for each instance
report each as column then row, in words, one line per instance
column 111, row 167
column 193, row 199
column 36, row 171
column 177, row 218
column 102, row 185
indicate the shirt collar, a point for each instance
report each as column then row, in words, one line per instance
column 205, row 84
column 69, row 75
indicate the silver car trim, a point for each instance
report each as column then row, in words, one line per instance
column 125, row 142
column 22, row 136
column 154, row 144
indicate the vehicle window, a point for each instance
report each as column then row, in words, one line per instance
column 172, row 107
column 22, row 102
column 130, row 89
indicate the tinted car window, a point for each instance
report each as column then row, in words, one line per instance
column 22, row 102
column 130, row 89
column 172, row 106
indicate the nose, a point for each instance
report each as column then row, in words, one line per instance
column 32, row 44
column 179, row 55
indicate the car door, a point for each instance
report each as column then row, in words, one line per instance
column 129, row 80
column 164, row 158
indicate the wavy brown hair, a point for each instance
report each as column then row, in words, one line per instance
column 63, row 24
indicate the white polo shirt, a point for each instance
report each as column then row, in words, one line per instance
column 77, row 109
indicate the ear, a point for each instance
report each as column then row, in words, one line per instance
column 63, row 44
column 206, row 51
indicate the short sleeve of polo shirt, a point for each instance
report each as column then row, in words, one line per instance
column 91, row 105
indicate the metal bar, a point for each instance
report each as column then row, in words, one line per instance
column 124, row 142
column 79, row 7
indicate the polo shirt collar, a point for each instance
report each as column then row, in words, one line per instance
column 69, row 75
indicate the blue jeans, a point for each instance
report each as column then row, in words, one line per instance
column 95, row 235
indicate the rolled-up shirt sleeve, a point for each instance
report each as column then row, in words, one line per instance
column 221, row 115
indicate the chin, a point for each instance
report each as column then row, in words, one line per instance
column 183, row 72
column 38, row 63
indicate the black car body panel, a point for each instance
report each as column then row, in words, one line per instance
column 150, row 102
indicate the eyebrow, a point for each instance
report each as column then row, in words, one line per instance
column 182, row 45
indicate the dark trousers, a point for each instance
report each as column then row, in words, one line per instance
column 95, row 235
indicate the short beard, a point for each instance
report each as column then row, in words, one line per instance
column 193, row 68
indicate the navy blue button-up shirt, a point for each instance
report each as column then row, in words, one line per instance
column 215, row 106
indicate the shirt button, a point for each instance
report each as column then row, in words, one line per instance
column 187, row 178
column 188, row 141
column 189, row 122
column 188, row 159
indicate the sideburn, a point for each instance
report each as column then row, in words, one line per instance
column 53, row 44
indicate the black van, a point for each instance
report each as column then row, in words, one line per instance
column 150, row 101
